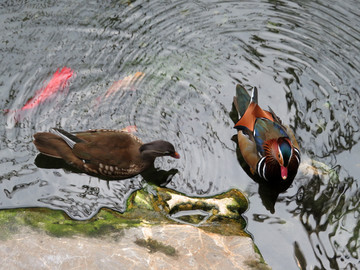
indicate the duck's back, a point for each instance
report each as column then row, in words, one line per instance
column 109, row 147
column 123, row 137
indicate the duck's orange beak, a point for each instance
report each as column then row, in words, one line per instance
column 284, row 172
column 176, row 155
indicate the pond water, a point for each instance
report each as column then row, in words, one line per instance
column 302, row 55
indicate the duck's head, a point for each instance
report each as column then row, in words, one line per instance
column 279, row 151
column 284, row 155
column 158, row 149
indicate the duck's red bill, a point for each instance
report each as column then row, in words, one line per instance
column 176, row 155
column 284, row 172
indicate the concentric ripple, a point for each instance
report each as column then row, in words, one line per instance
column 170, row 69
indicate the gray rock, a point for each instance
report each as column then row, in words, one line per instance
column 154, row 247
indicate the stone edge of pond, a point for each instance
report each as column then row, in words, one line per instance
column 221, row 214
column 143, row 209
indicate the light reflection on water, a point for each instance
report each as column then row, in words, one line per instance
column 302, row 55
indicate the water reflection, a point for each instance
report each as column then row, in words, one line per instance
column 301, row 53
column 328, row 208
column 151, row 175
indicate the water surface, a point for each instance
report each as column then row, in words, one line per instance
column 302, row 55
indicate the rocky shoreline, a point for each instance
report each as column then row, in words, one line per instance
column 159, row 230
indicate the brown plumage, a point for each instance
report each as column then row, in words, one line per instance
column 111, row 153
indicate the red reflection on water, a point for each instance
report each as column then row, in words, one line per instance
column 58, row 82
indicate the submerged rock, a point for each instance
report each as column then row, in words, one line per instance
column 173, row 247
column 160, row 228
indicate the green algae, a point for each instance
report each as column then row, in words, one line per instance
column 57, row 223
column 8, row 224
column 224, row 210
column 143, row 209
column 223, row 215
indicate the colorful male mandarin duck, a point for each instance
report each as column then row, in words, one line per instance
column 268, row 147
column 113, row 154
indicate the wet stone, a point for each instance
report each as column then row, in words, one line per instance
column 175, row 247
column 161, row 229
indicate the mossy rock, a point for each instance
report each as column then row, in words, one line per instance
column 220, row 214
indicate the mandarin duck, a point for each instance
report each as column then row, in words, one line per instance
column 267, row 146
column 113, row 154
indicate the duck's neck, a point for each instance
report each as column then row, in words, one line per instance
column 148, row 156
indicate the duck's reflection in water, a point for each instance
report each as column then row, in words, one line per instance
column 84, row 200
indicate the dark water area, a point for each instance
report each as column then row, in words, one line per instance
column 302, row 55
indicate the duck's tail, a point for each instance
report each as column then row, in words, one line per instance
column 49, row 144
column 243, row 99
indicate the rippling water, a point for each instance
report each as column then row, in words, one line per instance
column 302, row 55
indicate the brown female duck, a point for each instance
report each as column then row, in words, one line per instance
column 113, row 154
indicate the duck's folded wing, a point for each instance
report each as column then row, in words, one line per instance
column 110, row 149
column 69, row 138
column 241, row 100
column 248, row 150
column 292, row 137
column 91, row 134
column 50, row 144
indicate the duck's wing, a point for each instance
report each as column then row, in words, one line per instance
column 248, row 149
column 49, row 144
column 249, row 111
column 111, row 148
column 292, row 137
column 241, row 100
column 252, row 111
column 52, row 145
column 93, row 134
column 69, row 138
